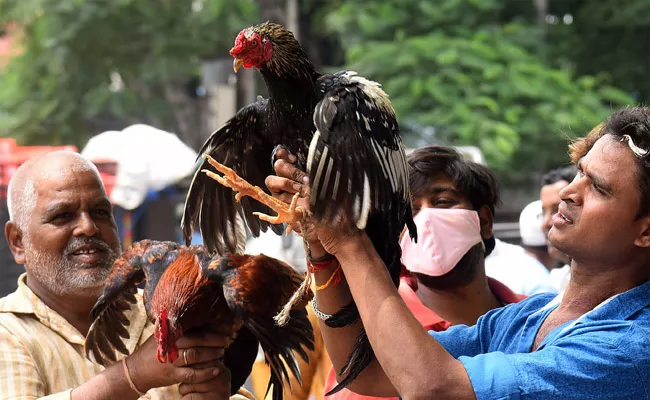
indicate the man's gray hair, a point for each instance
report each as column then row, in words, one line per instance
column 19, row 201
column 21, row 194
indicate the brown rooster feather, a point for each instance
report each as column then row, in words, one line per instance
column 186, row 289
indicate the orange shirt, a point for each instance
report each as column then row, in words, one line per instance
column 427, row 318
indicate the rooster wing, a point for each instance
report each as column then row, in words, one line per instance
column 358, row 169
column 356, row 160
column 239, row 144
column 255, row 289
column 144, row 261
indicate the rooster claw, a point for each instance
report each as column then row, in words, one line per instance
column 288, row 214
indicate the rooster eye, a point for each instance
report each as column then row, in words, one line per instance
column 254, row 43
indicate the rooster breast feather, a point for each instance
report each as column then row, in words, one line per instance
column 238, row 144
column 256, row 288
column 356, row 162
column 144, row 261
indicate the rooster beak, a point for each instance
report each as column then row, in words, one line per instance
column 237, row 63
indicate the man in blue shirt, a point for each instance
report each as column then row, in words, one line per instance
column 591, row 341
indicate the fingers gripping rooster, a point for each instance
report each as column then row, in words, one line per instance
column 185, row 288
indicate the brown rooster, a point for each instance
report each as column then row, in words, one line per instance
column 186, row 289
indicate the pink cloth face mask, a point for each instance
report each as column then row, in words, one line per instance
column 444, row 236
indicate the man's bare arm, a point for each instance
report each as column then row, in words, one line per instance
column 410, row 361
column 339, row 342
column 417, row 365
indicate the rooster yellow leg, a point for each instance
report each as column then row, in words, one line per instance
column 286, row 213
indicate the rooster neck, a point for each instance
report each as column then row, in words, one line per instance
column 179, row 287
column 293, row 92
column 202, row 307
column 290, row 111
column 193, row 307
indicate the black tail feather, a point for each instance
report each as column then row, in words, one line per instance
column 344, row 317
column 281, row 345
column 361, row 356
column 240, row 357
column 413, row 230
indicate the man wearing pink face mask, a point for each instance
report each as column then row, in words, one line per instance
column 588, row 342
column 444, row 281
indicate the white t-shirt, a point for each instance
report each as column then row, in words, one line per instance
column 521, row 272
column 560, row 277
column 290, row 249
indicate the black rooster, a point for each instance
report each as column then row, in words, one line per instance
column 342, row 129
column 187, row 289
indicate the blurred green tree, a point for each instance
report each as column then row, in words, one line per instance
column 609, row 36
column 474, row 72
column 87, row 65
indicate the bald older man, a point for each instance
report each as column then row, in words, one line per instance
column 62, row 229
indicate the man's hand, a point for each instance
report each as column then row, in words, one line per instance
column 217, row 388
column 289, row 181
column 199, row 362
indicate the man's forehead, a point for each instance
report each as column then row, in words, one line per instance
column 609, row 156
column 62, row 185
column 442, row 182
column 552, row 190
column 443, row 185
column 612, row 163
column 441, row 178
column 66, row 179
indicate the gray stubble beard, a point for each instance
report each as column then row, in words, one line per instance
column 62, row 276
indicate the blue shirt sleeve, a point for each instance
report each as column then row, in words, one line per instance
column 576, row 367
column 463, row 340
column 604, row 359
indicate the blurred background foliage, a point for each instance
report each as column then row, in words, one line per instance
column 517, row 78
column 87, row 63
column 478, row 72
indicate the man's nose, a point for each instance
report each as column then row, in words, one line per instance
column 572, row 192
column 86, row 226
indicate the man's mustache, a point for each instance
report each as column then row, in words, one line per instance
column 79, row 243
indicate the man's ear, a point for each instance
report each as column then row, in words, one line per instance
column 14, row 237
column 486, row 219
column 643, row 240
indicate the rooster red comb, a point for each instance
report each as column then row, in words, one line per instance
column 240, row 41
